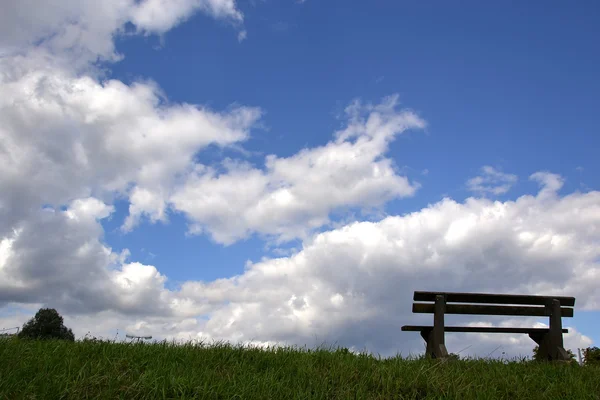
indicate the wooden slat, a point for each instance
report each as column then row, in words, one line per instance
column 469, row 309
column 491, row 298
column 479, row 329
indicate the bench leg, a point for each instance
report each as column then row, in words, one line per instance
column 551, row 343
column 557, row 350
column 434, row 348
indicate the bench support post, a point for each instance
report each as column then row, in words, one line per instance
column 550, row 344
column 557, row 350
column 436, row 347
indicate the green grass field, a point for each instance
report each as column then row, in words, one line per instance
column 107, row 370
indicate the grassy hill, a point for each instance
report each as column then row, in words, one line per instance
column 109, row 370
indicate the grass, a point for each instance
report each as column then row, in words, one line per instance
column 111, row 370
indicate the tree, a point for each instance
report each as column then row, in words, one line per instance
column 591, row 356
column 538, row 357
column 46, row 324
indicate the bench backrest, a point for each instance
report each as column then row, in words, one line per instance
column 484, row 304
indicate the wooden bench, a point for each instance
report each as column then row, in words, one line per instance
column 549, row 340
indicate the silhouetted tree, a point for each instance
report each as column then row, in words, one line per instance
column 46, row 324
column 591, row 356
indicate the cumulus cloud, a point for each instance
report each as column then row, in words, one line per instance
column 71, row 143
column 491, row 181
column 66, row 134
column 550, row 182
column 83, row 30
column 57, row 257
column 295, row 194
column 65, row 137
column 161, row 15
column 353, row 285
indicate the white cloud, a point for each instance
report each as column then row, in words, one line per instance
column 57, row 257
column 296, row 194
column 161, row 15
column 144, row 202
column 491, row 181
column 352, row 285
column 550, row 183
column 74, row 136
column 82, row 30
column 66, row 137
column 89, row 209
column 70, row 140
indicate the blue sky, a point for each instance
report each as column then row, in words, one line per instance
column 510, row 86
column 504, row 91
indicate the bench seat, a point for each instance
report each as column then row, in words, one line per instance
column 479, row 329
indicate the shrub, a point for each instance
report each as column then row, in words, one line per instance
column 46, row 324
column 591, row 356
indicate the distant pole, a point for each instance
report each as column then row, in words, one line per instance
column 580, row 360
